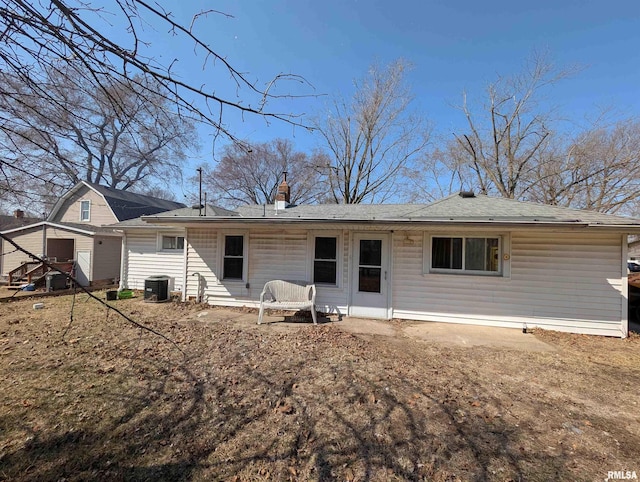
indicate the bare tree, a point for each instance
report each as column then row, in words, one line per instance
column 507, row 133
column 372, row 137
column 252, row 176
column 84, row 41
column 124, row 136
column 432, row 177
column 598, row 170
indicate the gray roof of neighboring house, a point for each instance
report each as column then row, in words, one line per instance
column 11, row 222
column 451, row 208
column 84, row 228
column 128, row 205
column 124, row 204
column 208, row 212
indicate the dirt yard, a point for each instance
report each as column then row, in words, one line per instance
column 98, row 399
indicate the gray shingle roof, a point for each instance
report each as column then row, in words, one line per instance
column 129, row 205
column 209, row 212
column 451, row 208
column 11, row 222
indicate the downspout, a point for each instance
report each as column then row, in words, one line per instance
column 123, row 260
column 184, row 265
column 44, row 241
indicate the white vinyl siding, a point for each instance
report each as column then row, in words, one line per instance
column 562, row 281
column 202, row 258
column 569, row 281
column 287, row 255
column 277, row 255
column 203, row 261
column 271, row 255
column 143, row 259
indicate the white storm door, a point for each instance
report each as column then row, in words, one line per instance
column 370, row 276
column 83, row 267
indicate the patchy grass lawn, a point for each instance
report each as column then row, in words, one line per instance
column 107, row 401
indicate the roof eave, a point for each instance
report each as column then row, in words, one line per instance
column 88, row 232
column 198, row 221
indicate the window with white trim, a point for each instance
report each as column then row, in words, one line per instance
column 170, row 243
column 465, row 254
column 325, row 260
column 85, row 210
column 233, row 258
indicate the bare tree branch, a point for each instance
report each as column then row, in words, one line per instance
column 372, row 139
column 506, row 135
column 40, row 40
column 252, row 177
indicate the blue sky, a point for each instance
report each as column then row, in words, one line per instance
column 454, row 45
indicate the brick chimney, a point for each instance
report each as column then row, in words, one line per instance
column 284, row 194
column 19, row 214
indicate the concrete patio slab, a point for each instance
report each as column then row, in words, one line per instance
column 473, row 335
column 426, row 331
column 450, row 333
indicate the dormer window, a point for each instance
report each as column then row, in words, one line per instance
column 85, row 210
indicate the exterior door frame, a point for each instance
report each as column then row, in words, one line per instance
column 380, row 306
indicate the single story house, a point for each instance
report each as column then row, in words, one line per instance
column 466, row 259
column 75, row 231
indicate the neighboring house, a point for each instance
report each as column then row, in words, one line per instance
column 634, row 249
column 465, row 259
column 75, row 231
column 150, row 249
column 17, row 220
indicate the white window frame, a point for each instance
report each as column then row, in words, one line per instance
column 88, row 201
column 245, row 256
column 503, row 246
column 339, row 255
column 160, row 243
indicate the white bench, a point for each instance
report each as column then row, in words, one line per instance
column 288, row 295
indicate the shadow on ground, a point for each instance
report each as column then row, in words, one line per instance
column 254, row 403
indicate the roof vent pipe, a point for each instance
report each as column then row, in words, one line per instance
column 467, row 194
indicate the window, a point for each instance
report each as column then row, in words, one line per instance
column 325, row 260
column 476, row 255
column 85, row 210
column 233, row 258
column 172, row 242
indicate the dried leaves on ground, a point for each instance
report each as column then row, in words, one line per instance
column 107, row 401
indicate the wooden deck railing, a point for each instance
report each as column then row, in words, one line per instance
column 35, row 270
column 18, row 273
